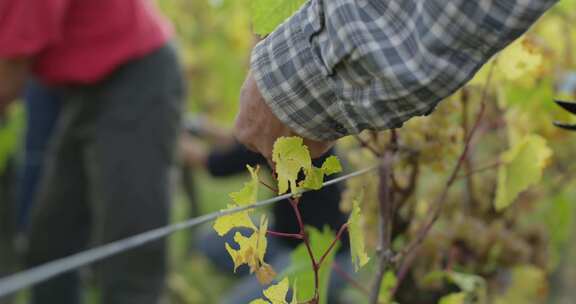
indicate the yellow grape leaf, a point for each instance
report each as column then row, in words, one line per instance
column 522, row 167
column 252, row 249
column 290, row 156
column 265, row 274
column 249, row 194
column 246, row 254
column 225, row 223
column 518, row 60
column 357, row 244
column 246, row 196
column 276, row 294
column 261, row 243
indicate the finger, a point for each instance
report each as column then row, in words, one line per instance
column 318, row 149
column 271, row 164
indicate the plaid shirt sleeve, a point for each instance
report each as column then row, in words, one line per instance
column 338, row 67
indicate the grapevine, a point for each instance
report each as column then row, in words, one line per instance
column 469, row 205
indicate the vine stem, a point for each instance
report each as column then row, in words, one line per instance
column 470, row 193
column 386, row 200
column 414, row 246
column 286, row 235
column 294, row 203
column 410, row 251
column 273, row 189
column 334, row 242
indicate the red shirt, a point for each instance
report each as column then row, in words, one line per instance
column 79, row 41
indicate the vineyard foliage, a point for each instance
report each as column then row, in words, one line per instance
column 291, row 158
column 504, row 224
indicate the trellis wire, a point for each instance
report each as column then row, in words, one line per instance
column 30, row 277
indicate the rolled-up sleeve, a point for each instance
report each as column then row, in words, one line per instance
column 28, row 26
column 338, row 67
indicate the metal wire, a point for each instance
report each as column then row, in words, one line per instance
column 30, row 277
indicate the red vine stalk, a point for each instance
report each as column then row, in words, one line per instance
column 271, row 188
column 410, row 251
column 334, row 242
column 294, row 203
column 285, row 235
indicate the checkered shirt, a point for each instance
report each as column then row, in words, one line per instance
column 337, row 67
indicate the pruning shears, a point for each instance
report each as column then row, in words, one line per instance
column 570, row 107
column 568, row 88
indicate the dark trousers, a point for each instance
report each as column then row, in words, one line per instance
column 42, row 106
column 8, row 256
column 107, row 178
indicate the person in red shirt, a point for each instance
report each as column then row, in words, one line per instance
column 107, row 174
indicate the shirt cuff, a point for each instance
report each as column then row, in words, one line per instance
column 295, row 83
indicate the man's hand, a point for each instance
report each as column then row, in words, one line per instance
column 258, row 128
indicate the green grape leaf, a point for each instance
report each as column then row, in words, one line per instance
column 566, row 6
column 290, row 156
column 522, row 167
column 276, row 294
column 315, row 176
column 10, row 133
column 357, row 244
column 249, row 194
column 294, row 293
column 268, row 14
column 302, row 274
column 314, row 179
column 387, row 286
column 469, row 283
column 559, row 217
column 331, row 165
column 528, row 284
column 454, row 298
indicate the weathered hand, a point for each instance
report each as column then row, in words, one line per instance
column 258, row 128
